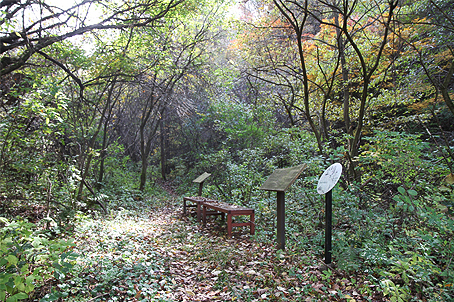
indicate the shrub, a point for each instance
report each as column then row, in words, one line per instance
column 28, row 260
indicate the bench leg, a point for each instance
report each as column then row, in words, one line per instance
column 204, row 216
column 198, row 211
column 252, row 223
column 184, row 206
column 229, row 225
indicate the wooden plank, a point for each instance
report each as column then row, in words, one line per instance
column 241, row 224
column 225, row 207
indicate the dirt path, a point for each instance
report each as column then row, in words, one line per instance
column 162, row 256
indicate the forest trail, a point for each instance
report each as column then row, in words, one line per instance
column 159, row 255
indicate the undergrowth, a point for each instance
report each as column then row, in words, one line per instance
column 392, row 235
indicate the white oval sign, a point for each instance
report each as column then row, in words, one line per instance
column 329, row 178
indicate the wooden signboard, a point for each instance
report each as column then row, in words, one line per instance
column 201, row 178
column 280, row 180
column 200, row 181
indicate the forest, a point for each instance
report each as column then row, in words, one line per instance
column 110, row 109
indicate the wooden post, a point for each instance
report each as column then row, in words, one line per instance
column 204, row 215
column 199, row 210
column 200, row 188
column 252, row 220
column 280, row 220
column 328, row 225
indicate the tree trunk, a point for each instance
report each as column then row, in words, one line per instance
column 298, row 28
column 345, row 76
column 367, row 73
column 163, row 147
column 444, row 88
column 145, row 149
column 143, row 173
column 103, row 157
column 88, row 156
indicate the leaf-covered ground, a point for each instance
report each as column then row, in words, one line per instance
column 160, row 255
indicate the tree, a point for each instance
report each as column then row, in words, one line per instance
column 345, row 41
column 174, row 51
column 427, row 27
column 25, row 42
column 21, row 38
column 425, row 39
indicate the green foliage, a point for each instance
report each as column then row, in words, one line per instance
column 33, row 165
column 242, row 125
column 405, row 247
column 237, row 174
column 118, row 169
column 28, row 260
column 396, row 292
column 26, row 131
column 393, row 158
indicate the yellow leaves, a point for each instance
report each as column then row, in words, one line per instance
column 449, row 179
column 309, row 47
column 349, row 298
column 423, row 105
column 420, row 20
column 443, row 59
column 235, row 44
column 311, row 77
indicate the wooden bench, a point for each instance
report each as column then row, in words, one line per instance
column 204, row 205
column 197, row 203
column 231, row 211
